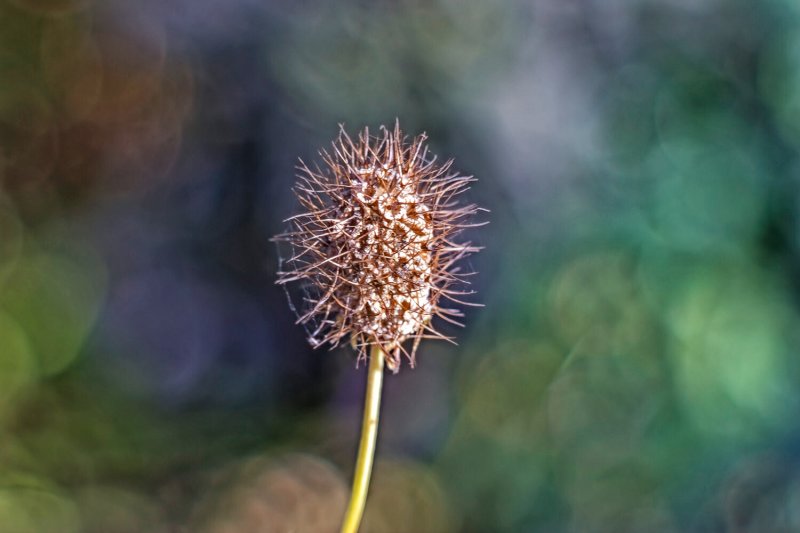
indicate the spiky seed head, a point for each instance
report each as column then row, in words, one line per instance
column 374, row 248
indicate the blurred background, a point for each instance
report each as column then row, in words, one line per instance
column 635, row 367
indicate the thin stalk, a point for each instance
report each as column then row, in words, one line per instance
column 366, row 448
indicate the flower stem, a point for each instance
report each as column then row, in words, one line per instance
column 366, row 448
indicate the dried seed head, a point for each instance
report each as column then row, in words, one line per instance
column 375, row 246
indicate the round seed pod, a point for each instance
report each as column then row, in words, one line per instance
column 374, row 247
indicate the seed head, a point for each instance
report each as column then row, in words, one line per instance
column 374, row 249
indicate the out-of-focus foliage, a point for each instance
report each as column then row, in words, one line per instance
column 637, row 363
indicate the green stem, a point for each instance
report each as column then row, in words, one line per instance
column 366, row 448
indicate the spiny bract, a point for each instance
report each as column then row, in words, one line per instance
column 375, row 246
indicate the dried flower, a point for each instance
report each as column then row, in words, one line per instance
column 375, row 246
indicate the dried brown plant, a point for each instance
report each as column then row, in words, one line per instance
column 375, row 249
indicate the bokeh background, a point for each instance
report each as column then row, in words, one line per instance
column 636, row 366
